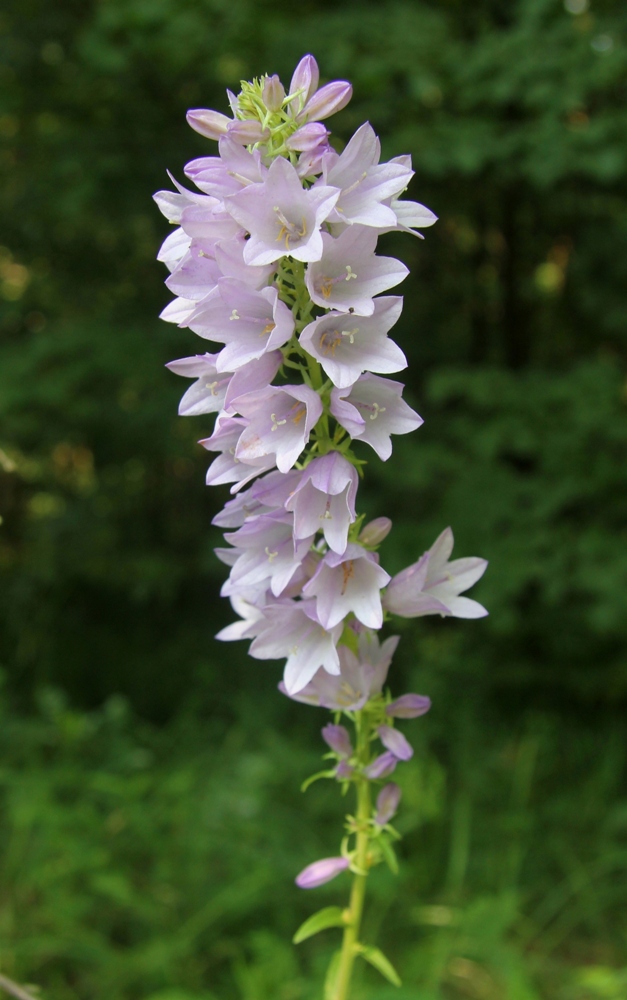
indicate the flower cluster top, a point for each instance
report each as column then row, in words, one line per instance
column 274, row 261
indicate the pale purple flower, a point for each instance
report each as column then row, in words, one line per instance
column 249, row 323
column 265, row 495
column 174, row 248
column 229, row 255
column 344, row 770
column 361, row 676
column 365, row 185
column 320, row 872
column 214, row 390
column 337, row 738
column 395, row 742
column 373, row 533
column 273, row 93
column 280, row 419
column 411, row 215
column 348, row 583
column 408, row 706
column 292, row 629
column 372, row 409
column 387, row 803
column 227, row 468
column 303, row 84
column 197, row 273
column 324, row 499
column 432, row 584
column 348, row 274
column 381, row 766
column 281, row 216
column 209, row 221
column 348, row 345
column 309, row 137
column 251, row 617
column 267, row 552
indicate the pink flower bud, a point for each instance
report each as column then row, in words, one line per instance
column 247, row 132
column 381, row 766
column 305, row 78
column 308, row 137
column 408, row 706
column 387, row 803
column 273, row 93
column 338, row 739
column 395, row 742
column 344, row 770
column 375, row 531
column 326, row 101
column 211, row 124
column 320, row 872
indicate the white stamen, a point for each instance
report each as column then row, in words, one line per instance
column 350, row 334
column 234, row 314
column 349, row 273
column 377, row 410
column 270, row 555
column 212, row 386
column 276, row 423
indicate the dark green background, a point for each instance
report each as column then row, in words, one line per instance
column 151, row 822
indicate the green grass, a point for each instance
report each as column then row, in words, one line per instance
column 159, row 864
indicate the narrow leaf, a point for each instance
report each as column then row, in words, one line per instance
column 388, row 853
column 331, row 976
column 330, row 916
column 381, row 963
column 321, row 774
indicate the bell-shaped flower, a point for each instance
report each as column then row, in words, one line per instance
column 209, row 221
column 303, row 84
column 361, row 676
column 411, row 215
column 325, row 500
column 293, row 629
column 251, row 617
column 280, row 419
column 327, row 101
column 265, row 495
column 395, row 742
column 227, row 468
column 348, row 274
column 432, row 585
column 267, row 552
column 197, row 273
column 347, row 346
column 174, row 248
column 229, row 255
column 282, row 217
column 372, row 409
column 247, row 322
column 211, row 124
column 365, row 184
column 216, row 390
column 320, row 872
column 387, row 803
column 348, row 583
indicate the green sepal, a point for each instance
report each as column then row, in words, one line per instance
column 388, row 854
column 330, row 916
column 331, row 976
column 380, row 963
column 321, row 774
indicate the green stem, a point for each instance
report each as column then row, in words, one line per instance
column 358, row 891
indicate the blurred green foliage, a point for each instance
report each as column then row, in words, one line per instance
column 514, row 326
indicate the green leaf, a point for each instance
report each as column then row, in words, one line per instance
column 331, row 976
column 381, row 963
column 321, row 774
column 388, row 853
column 330, row 916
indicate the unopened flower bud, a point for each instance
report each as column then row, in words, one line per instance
column 338, row 739
column 247, row 132
column 320, row 872
column 381, row 766
column 308, row 137
column 305, row 78
column 375, row 531
column 387, row 803
column 395, row 742
column 273, row 93
column 211, row 124
column 327, row 101
column 408, row 706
